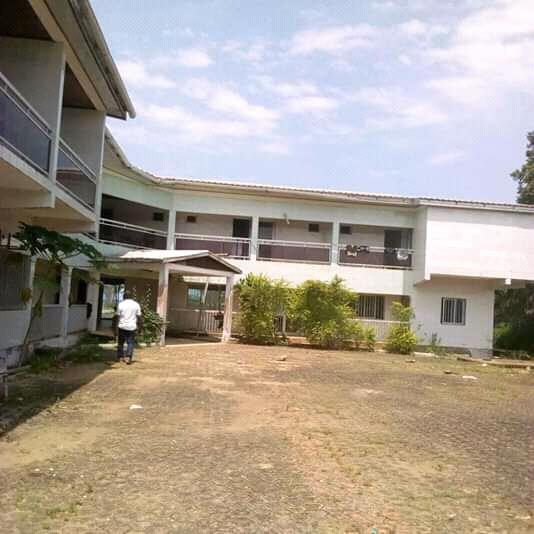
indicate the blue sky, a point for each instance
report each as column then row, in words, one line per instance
column 415, row 97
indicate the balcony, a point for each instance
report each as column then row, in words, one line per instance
column 131, row 235
column 369, row 256
column 75, row 177
column 293, row 251
column 233, row 247
column 22, row 129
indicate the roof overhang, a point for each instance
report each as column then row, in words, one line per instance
column 193, row 262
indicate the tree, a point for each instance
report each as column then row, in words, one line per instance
column 55, row 249
column 261, row 300
column 525, row 175
column 514, row 308
column 324, row 312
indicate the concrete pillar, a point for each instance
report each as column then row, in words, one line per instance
column 254, row 229
column 228, row 309
column 64, row 292
column 171, row 228
column 93, row 291
column 334, row 257
column 163, row 297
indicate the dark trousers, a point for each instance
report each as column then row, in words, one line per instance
column 128, row 337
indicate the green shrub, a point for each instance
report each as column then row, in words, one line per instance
column 324, row 313
column 401, row 339
column 515, row 336
column 261, row 300
column 152, row 324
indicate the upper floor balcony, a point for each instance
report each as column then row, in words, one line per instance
column 132, row 224
column 22, row 129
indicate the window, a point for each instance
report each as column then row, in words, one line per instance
column 107, row 213
column 214, row 297
column 14, row 275
column 345, row 229
column 313, row 227
column 158, row 216
column 371, row 307
column 191, row 219
column 453, row 311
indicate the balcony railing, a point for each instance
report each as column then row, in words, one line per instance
column 22, row 129
column 297, row 251
column 75, row 177
column 121, row 233
column 233, row 247
column 367, row 256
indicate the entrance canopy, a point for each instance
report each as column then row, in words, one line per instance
column 183, row 262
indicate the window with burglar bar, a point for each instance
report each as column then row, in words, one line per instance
column 453, row 311
column 371, row 307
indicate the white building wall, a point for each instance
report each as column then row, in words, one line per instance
column 478, row 329
column 220, row 225
column 478, row 243
column 295, row 230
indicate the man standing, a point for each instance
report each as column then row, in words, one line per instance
column 127, row 319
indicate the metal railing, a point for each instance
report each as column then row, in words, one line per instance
column 380, row 327
column 77, row 321
column 22, row 129
column 194, row 320
column 233, row 247
column 368, row 256
column 121, row 233
column 293, row 251
column 75, row 177
column 48, row 325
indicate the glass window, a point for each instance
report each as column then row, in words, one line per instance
column 14, row 277
column 453, row 311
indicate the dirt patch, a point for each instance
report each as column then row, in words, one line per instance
column 228, row 439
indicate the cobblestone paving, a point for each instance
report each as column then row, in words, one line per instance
column 229, row 439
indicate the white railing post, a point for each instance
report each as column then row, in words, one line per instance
column 163, row 293
column 64, row 293
column 334, row 254
column 228, row 305
column 171, row 228
column 253, row 252
column 93, row 292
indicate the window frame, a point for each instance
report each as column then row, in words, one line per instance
column 314, row 228
column 451, row 310
column 374, row 303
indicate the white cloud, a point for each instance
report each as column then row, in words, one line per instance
column 312, row 104
column 193, row 58
column 279, row 148
column 446, row 158
column 491, row 52
column 190, row 127
column 295, row 88
column 405, row 59
column 398, row 110
column 254, row 52
column 136, row 74
column 333, row 40
column 418, row 30
column 222, row 99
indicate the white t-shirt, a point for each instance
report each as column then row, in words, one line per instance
column 128, row 311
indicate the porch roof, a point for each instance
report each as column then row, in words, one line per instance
column 182, row 259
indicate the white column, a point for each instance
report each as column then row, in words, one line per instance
column 163, row 296
column 254, row 237
column 335, row 242
column 171, row 228
column 64, row 292
column 228, row 309
column 93, row 292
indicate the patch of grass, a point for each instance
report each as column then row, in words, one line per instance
column 82, row 353
column 44, row 359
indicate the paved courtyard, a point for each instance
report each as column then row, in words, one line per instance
column 230, row 439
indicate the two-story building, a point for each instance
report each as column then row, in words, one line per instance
column 182, row 243
column 444, row 257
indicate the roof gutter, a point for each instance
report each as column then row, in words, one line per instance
column 92, row 33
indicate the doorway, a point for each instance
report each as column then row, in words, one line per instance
column 111, row 292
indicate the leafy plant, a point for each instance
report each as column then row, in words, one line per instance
column 401, row 339
column 152, row 322
column 324, row 312
column 435, row 346
column 56, row 249
column 261, row 300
